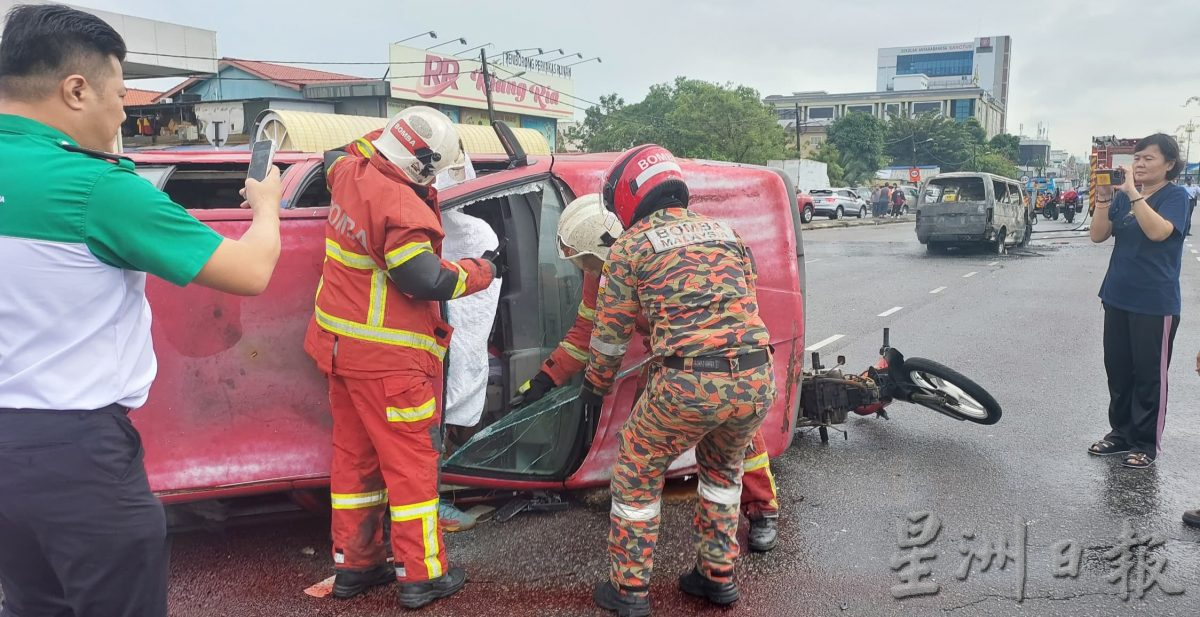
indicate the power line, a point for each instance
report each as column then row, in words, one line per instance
column 310, row 62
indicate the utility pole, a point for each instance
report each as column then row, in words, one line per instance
column 798, row 130
column 487, row 86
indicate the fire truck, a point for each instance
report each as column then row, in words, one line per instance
column 1108, row 152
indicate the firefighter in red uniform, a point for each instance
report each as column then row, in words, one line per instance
column 585, row 231
column 379, row 335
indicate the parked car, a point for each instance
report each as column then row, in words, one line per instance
column 804, row 202
column 973, row 208
column 837, row 203
column 239, row 409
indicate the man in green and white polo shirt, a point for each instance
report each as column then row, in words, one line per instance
column 80, row 532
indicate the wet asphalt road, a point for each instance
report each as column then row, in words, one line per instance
column 1026, row 326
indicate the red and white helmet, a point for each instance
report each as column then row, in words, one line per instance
column 641, row 175
column 422, row 142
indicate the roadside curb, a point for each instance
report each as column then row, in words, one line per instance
column 908, row 218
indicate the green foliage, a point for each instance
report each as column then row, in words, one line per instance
column 996, row 163
column 691, row 118
column 828, row 153
column 1007, row 145
column 860, row 139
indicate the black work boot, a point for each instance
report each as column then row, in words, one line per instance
column 350, row 583
column 623, row 603
column 696, row 584
column 763, row 533
column 416, row 595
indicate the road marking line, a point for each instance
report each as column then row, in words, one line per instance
column 1198, row 259
column 1194, row 251
column 812, row 261
column 938, row 290
column 994, row 263
column 825, row 342
column 890, row 311
column 969, row 275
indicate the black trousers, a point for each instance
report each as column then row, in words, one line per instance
column 1137, row 354
column 81, row 535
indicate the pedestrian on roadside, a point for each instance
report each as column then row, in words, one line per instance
column 1141, row 296
column 881, row 204
column 897, row 202
column 81, row 533
column 1193, row 192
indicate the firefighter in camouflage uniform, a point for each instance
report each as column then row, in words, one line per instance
column 693, row 281
column 586, row 230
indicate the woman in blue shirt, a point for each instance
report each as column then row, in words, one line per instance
column 1140, row 295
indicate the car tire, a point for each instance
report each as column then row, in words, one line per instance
column 862, row 212
column 1027, row 236
column 806, row 215
column 839, row 214
column 935, row 248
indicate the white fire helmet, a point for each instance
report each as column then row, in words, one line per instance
column 422, row 142
column 587, row 228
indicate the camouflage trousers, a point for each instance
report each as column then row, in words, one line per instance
column 718, row 414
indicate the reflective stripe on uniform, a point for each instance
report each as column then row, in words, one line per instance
column 423, row 411
column 354, row 501
column 365, row 147
column 755, row 463
column 427, row 513
column 608, row 349
column 358, row 261
column 377, row 309
column 400, row 256
column 387, row 336
column 574, row 351
column 461, row 287
column 634, row 513
column 728, row 495
column 587, row 313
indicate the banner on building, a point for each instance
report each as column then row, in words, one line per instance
column 543, row 89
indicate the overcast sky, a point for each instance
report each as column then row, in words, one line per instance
column 1081, row 68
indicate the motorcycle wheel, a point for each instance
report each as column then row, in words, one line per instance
column 961, row 398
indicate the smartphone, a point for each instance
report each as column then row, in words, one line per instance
column 1110, row 177
column 261, row 154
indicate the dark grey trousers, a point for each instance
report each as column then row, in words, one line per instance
column 81, row 535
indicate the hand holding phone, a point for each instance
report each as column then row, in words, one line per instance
column 263, row 189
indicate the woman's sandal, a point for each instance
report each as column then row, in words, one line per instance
column 1104, row 447
column 1138, row 460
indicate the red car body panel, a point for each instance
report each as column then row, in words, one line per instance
column 238, row 408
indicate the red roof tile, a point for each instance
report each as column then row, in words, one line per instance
column 137, row 96
column 292, row 76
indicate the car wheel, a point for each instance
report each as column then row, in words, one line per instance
column 839, row 214
column 807, row 215
column 935, row 248
column 862, row 212
column 1001, row 236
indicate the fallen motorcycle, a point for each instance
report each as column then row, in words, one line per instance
column 828, row 395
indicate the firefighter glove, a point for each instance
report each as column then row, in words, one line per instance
column 534, row 389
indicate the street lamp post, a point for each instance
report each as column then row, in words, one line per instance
column 458, row 40
column 431, row 33
column 597, row 59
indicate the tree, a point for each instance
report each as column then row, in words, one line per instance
column 828, row 153
column 996, row 163
column 933, row 139
column 691, row 118
column 859, row 138
column 1007, row 145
